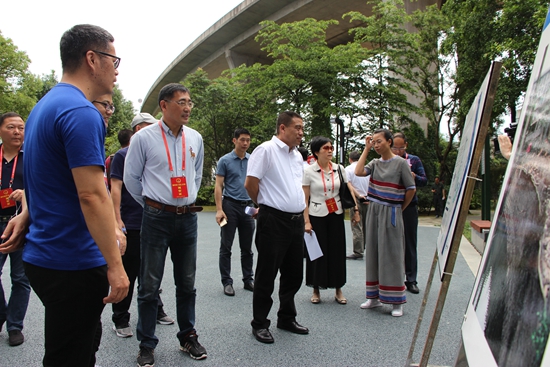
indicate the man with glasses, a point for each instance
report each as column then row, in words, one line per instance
column 163, row 172
column 12, row 133
column 73, row 248
column 105, row 106
column 128, row 213
column 410, row 214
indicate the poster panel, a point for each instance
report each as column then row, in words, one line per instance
column 455, row 195
column 508, row 317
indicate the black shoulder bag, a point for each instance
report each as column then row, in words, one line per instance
column 346, row 197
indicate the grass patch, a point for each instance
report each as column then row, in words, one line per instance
column 467, row 231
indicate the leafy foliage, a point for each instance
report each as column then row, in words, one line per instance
column 18, row 86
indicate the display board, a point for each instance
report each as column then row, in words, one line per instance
column 472, row 138
column 508, row 316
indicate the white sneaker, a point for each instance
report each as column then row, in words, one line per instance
column 397, row 311
column 371, row 303
column 123, row 332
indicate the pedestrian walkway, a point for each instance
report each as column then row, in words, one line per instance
column 340, row 335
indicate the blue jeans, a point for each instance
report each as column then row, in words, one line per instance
column 161, row 231
column 14, row 311
column 236, row 219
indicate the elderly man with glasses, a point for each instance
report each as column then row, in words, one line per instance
column 163, row 172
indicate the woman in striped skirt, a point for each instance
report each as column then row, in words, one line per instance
column 391, row 189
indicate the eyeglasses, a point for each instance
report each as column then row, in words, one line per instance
column 183, row 103
column 107, row 105
column 398, row 149
column 117, row 59
column 329, row 148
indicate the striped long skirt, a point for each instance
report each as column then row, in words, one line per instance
column 385, row 254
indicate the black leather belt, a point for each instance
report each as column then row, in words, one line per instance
column 279, row 213
column 184, row 209
column 240, row 202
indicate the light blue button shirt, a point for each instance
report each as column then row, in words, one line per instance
column 146, row 169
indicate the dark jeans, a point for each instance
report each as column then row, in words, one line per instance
column 131, row 262
column 14, row 311
column 236, row 219
column 280, row 246
column 73, row 301
column 410, row 224
column 161, row 231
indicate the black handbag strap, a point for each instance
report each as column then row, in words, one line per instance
column 340, row 175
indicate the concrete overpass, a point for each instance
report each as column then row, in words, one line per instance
column 230, row 41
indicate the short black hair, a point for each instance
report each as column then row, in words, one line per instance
column 303, row 151
column 124, row 137
column 354, row 156
column 387, row 134
column 240, row 131
column 169, row 89
column 80, row 39
column 316, row 143
column 8, row 115
column 285, row 118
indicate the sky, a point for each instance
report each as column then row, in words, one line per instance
column 148, row 35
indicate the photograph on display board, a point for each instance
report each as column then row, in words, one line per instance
column 508, row 316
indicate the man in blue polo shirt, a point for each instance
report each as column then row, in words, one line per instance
column 230, row 215
column 73, row 250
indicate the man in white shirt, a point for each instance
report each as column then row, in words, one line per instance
column 274, row 181
column 361, row 187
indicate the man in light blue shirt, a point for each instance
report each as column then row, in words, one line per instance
column 163, row 172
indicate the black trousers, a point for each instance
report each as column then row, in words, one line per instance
column 236, row 219
column 74, row 302
column 280, row 246
column 410, row 224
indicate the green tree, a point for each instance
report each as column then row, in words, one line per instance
column 383, row 92
column 48, row 82
column 221, row 106
column 306, row 75
column 518, row 28
column 18, row 86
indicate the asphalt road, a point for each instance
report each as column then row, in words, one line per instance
column 340, row 335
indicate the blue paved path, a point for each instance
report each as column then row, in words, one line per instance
column 340, row 335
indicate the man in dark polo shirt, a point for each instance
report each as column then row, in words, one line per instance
column 12, row 132
column 230, row 176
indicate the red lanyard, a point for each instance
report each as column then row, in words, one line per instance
column 323, row 177
column 13, row 168
column 168, row 150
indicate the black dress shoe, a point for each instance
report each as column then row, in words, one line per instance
column 15, row 338
column 293, row 327
column 263, row 335
column 413, row 288
column 354, row 257
column 249, row 286
column 228, row 290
